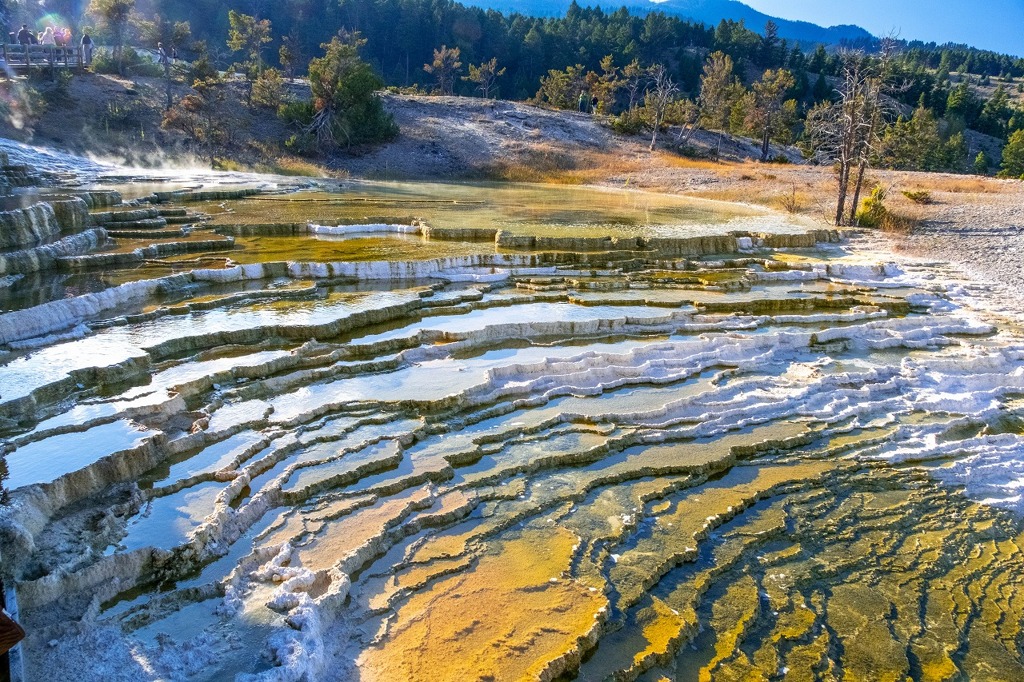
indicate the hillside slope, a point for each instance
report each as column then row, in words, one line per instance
column 471, row 137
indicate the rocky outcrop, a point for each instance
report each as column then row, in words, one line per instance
column 27, row 226
column 47, row 256
column 40, row 222
column 72, row 214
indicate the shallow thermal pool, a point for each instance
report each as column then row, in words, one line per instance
column 537, row 210
column 766, row 455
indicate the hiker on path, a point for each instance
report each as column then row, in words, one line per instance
column 582, row 103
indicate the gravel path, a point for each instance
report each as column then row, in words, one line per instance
column 982, row 233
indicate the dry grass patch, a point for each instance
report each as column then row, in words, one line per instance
column 745, row 195
column 898, row 223
column 550, row 165
column 968, row 184
column 793, row 201
column 299, row 167
column 677, row 161
column 803, row 197
column 281, row 166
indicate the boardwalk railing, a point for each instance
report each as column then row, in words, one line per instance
column 26, row 56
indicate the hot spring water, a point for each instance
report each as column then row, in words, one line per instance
column 506, row 433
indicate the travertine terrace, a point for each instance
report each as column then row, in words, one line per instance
column 400, row 432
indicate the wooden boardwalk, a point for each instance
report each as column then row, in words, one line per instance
column 25, row 57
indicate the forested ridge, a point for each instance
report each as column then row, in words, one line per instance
column 941, row 88
column 402, row 34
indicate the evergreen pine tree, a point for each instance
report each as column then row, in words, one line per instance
column 1013, row 157
column 981, row 164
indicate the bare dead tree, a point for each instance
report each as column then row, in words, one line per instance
column 660, row 95
column 849, row 130
column 686, row 113
column 878, row 109
column 838, row 130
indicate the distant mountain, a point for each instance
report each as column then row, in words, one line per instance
column 709, row 12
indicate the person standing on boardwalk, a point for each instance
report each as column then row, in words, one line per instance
column 24, row 35
column 48, row 38
column 86, row 48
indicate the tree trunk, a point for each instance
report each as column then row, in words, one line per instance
column 766, row 140
column 844, row 180
column 686, row 133
column 856, row 191
column 654, row 137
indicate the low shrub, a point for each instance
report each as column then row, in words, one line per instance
column 302, row 144
column 873, row 213
column 872, row 210
column 268, row 89
column 918, row 196
column 790, row 202
column 133, row 63
column 629, row 122
column 695, row 153
column 297, row 112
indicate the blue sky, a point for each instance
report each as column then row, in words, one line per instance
column 991, row 24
